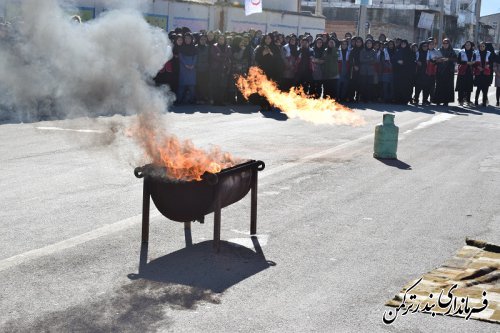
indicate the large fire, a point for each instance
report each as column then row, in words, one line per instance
column 182, row 160
column 296, row 103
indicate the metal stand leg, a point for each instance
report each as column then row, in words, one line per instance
column 217, row 214
column 145, row 213
column 253, row 212
column 187, row 234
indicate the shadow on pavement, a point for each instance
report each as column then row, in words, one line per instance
column 275, row 114
column 198, row 266
column 179, row 280
column 11, row 117
column 395, row 163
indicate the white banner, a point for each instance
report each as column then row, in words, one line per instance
column 253, row 7
column 426, row 21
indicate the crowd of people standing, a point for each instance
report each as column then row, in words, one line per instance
column 204, row 67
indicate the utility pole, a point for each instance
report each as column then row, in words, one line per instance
column 319, row 10
column 441, row 23
column 361, row 32
column 478, row 17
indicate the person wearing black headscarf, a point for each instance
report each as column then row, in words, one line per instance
column 422, row 80
column 268, row 58
column 465, row 80
column 344, row 71
column 404, row 71
column 169, row 74
column 496, row 68
column 367, row 73
column 387, row 71
column 220, row 58
column 331, row 69
column 355, row 84
column 445, row 74
column 240, row 64
column 304, row 65
column 187, row 70
column 203, row 71
column 493, row 58
column 317, row 67
column 482, row 72
column 291, row 55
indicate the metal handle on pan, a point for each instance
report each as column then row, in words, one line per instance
column 261, row 165
column 138, row 172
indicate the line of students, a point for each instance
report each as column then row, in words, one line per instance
column 203, row 68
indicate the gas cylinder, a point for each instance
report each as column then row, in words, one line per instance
column 386, row 139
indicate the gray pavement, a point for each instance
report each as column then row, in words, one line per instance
column 339, row 233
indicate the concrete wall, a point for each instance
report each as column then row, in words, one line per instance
column 286, row 23
column 197, row 16
column 280, row 5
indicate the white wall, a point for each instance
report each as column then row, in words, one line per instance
column 170, row 15
column 282, row 5
column 196, row 17
column 268, row 21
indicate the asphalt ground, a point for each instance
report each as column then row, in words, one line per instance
column 339, row 232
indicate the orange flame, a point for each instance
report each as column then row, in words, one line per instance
column 296, row 103
column 182, row 160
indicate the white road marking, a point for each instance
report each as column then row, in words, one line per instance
column 434, row 120
column 135, row 220
column 270, row 193
column 74, row 241
column 247, row 241
column 269, row 172
column 44, row 128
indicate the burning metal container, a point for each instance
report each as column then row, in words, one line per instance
column 186, row 201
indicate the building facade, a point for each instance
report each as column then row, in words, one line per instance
column 223, row 15
column 493, row 21
column 414, row 20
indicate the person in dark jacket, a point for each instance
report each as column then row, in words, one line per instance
column 423, row 81
column 496, row 68
column 291, row 54
column 317, row 67
column 331, row 69
column 482, row 73
column 220, row 56
column 493, row 57
column 187, row 70
column 367, row 73
column 387, row 71
column 445, row 75
column 304, row 65
column 239, row 67
column 404, row 71
column 465, row 79
column 178, row 43
column 355, row 83
column 203, row 71
column 344, row 71
column 268, row 58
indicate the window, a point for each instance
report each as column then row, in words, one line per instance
column 464, row 6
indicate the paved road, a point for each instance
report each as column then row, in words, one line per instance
column 339, row 232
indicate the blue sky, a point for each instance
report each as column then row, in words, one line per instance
column 490, row 7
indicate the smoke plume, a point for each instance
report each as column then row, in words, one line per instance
column 52, row 66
